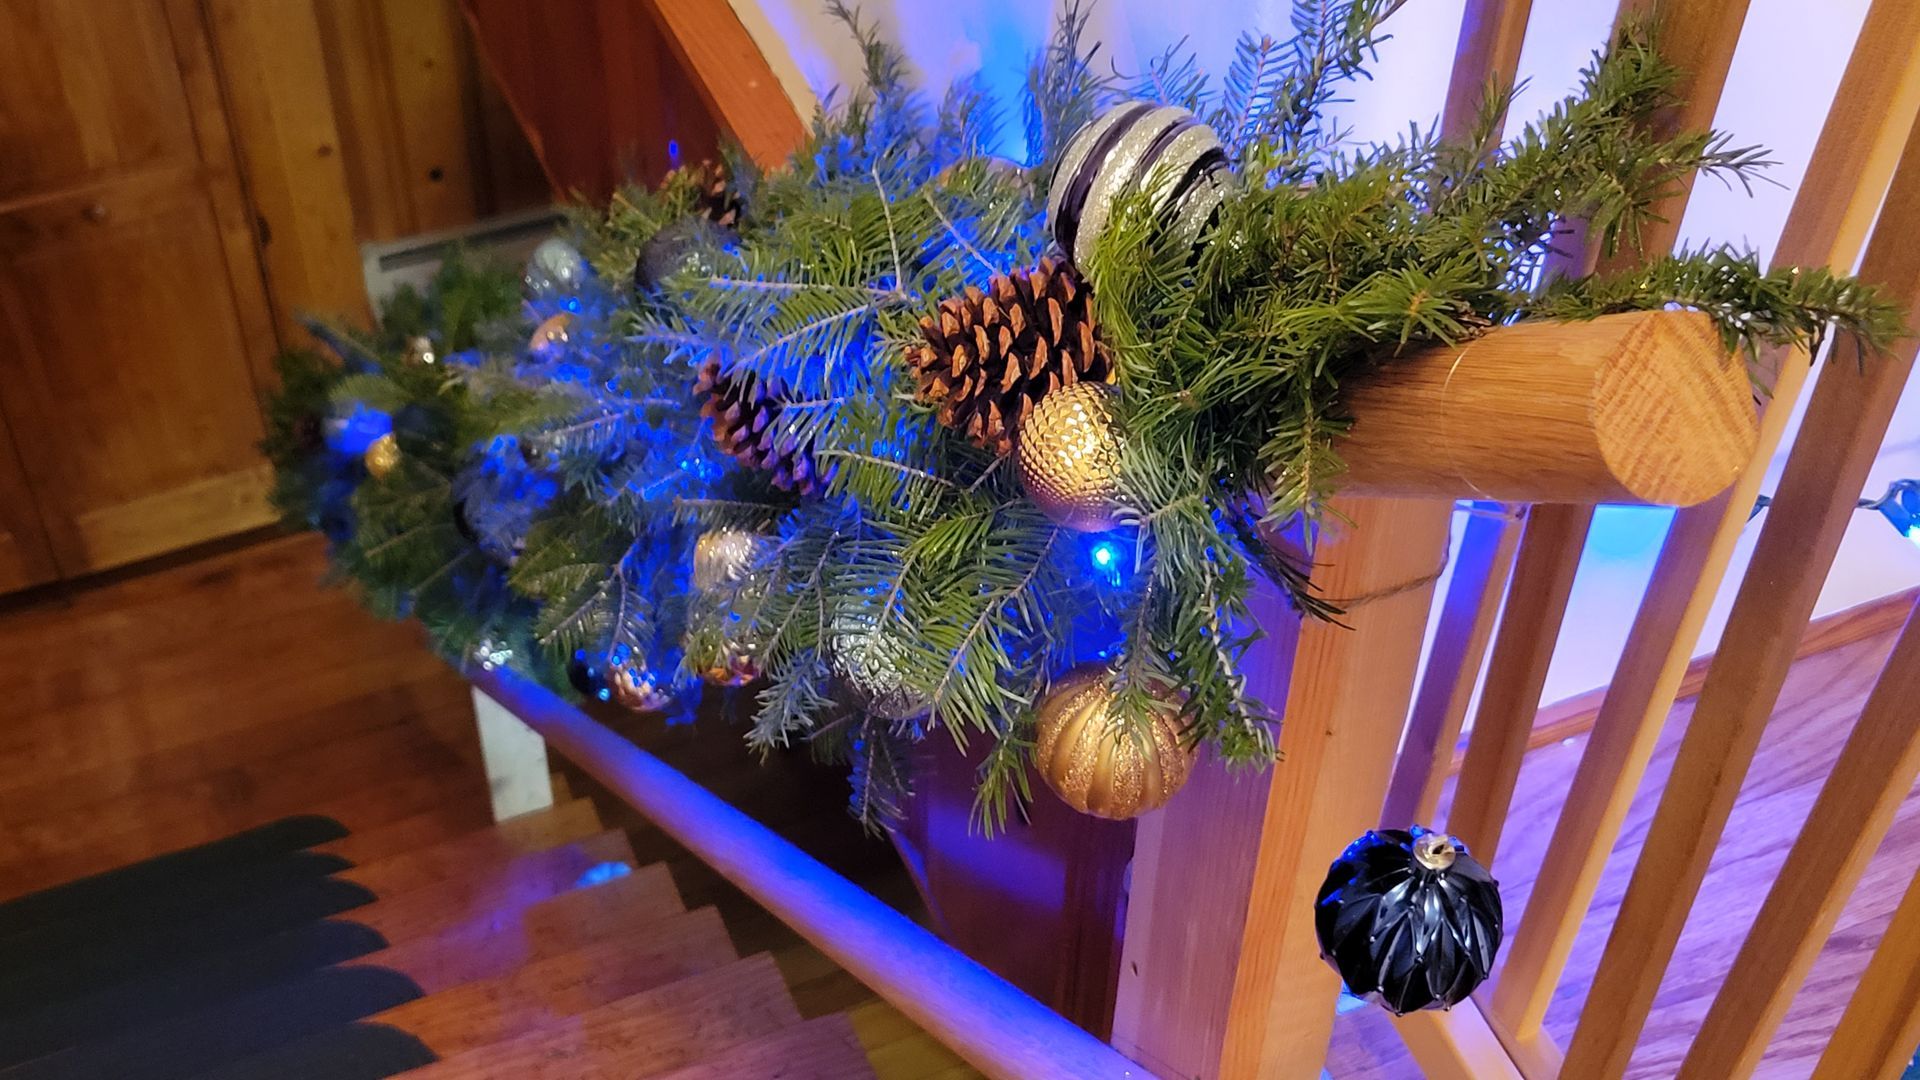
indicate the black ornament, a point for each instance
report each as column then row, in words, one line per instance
column 587, row 677
column 691, row 243
column 460, row 522
column 1409, row 920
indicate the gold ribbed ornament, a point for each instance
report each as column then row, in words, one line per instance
column 1069, row 451
column 382, row 456
column 1093, row 767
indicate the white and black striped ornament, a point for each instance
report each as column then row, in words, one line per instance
column 1135, row 144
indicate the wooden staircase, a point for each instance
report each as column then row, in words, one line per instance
column 419, row 946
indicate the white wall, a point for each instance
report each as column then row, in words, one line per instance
column 1789, row 61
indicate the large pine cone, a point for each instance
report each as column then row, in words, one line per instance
column 989, row 357
column 746, row 424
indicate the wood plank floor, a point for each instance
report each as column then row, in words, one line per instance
column 1823, row 697
column 159, row 710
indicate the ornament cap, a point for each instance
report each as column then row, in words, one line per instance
column 1435, row 851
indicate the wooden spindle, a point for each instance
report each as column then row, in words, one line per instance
column 1844, row 424
column 1873, row 108
column 1482, row 561
column 1487, row 56
column 1876, row 769
column 1876, row 1035
column 1262, row 1005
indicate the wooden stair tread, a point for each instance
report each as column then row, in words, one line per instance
column 492, row 947
column 825, row 1048
column 424, row 828
column 459, row 856
column 572, row 983
column 645, row 1034
column 485, row 894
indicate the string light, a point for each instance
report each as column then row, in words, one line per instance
column 1900, row 506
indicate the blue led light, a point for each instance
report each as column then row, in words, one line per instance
column 1103, row 555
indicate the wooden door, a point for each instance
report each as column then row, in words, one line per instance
column 134, row 326
column 24, row 557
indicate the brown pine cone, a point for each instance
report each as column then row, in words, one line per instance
column 718, row 201
column 989, row 357
column 746, row 425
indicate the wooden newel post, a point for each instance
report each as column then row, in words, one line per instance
column 1220, row 975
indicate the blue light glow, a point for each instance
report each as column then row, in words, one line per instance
column 602, row 873
column 1103, row 555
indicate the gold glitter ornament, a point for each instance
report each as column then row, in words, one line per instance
column 553, row 335
column 1095, row 768
column 723, row 556
column 382, row 456
column 738, row 669
column 1069, row 453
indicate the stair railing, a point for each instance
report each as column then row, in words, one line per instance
column 1223, row 980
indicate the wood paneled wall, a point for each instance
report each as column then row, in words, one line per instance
column 362, row 120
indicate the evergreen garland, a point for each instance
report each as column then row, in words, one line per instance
column 591, row 463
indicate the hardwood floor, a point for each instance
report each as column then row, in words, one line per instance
column 153, row 712
column 1823, row 697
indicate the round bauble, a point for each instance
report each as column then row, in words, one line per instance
column 1095, row 768
column 556, row 268
column 420, row 351
column 552, row 337
column 692, row 243
column 636, row 690
column 1069, row 451
column 1409, row 919
column 868, row 666
column 382, row 456
column 736, row 669
column 1163, row 150
column 723, row 556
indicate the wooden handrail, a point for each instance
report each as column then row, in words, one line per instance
column 1644, row 408
column 996, row 1027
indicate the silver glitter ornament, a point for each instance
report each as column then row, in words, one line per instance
column 556, row 268
column 691, row 243
column 1163, row 150
column 723, row 556
column 867, row 665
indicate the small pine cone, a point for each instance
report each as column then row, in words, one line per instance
column 746, row 426
column 989, row 357
column 718, row 201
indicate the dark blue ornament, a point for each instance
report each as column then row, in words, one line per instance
column 689, row 244
column 1409, row 920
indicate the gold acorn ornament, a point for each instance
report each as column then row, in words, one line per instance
column 988, row 357
column 1069, row 454
column 420, row 352
column 1095, row 767
column 553, row 335
column 382, row 456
